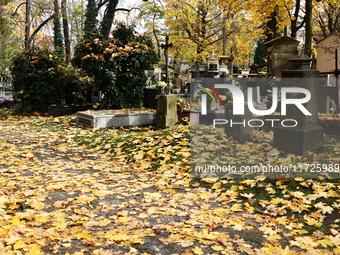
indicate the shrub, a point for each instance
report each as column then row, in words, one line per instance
column 40, row 79
column 117, row 65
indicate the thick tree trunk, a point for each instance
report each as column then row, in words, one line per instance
column 90, row 18
column 271, row 27
column 66, row 31
column 108, row 18
column 58, row 40
column 28, row 25
column 309, row 34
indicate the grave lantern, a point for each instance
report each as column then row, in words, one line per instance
column 213, row 65
column 193, row 70
column 224, row 68
column 202, row 69
column 184, row 65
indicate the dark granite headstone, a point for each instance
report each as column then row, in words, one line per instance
column 307, row 135
column 239, row 132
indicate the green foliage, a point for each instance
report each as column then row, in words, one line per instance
column 117, row 65
column 260, row 53
column 7, row 40
column 39, row 80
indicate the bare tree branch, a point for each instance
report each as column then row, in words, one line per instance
column 15, row 12
column 40, row 26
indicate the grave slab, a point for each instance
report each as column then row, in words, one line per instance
column 117, row 118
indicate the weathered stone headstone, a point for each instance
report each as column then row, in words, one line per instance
column 307, row 135
column 279, row 51
column 213, row 65
column 166, row 115
column 253, row 69
column 178, row 82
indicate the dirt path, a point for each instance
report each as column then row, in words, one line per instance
column 59, row 198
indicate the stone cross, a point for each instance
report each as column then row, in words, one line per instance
column 166, row 46
column 336, row 73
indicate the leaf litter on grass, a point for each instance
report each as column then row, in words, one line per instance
column 71, row 190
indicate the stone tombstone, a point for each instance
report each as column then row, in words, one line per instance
column 224, row 71
column 307, row 135
column 254, row 69
column 235, row 70
column 238, row 131
column 166, row 115
column 202, row 69
column 184, row 65
column 213, row 64
column 279, row 50
column 324, row 104
column 325, row 53
column 178, row 82
column 160, row 71
column 186, row 77
column 256, row 90
column 194, row 70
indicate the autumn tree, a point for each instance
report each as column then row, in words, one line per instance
column 198, row 23
column 326, row 20
column 152, row 14
column 7, row 40
column 76, row 18
column 28, row 20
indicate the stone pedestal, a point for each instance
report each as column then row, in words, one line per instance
column 240, row 132
column 298, row 140
column 307, row 135
column 166, row 115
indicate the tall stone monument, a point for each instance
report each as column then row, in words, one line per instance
column 307, row 135
column 279, row 50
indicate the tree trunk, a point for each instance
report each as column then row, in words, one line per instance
column 66, row 31
column 108, row 18
column 308, row 35
column 271, row 27
column 58, row 40
column 28, row 24
column 293, row 26
column 90, row 18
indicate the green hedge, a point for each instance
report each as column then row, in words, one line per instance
column 40, row 79
column 117, row 65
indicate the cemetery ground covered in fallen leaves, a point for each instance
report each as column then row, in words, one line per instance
column 66, row 189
